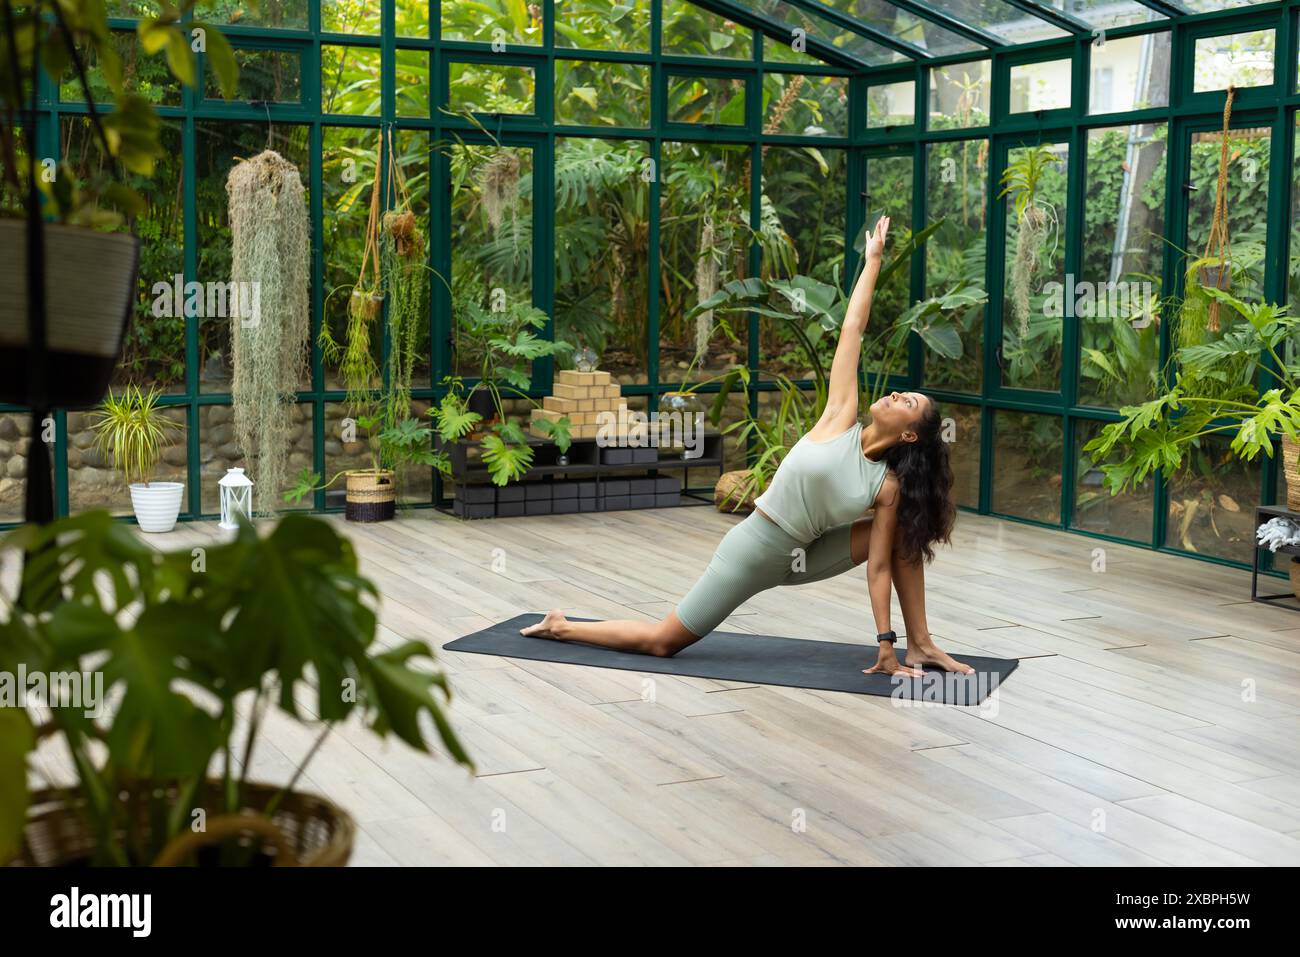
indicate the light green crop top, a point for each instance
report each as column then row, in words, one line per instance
column 822, row 484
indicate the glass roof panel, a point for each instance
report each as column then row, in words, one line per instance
column 1003, row 21
column 819, row 28
column 1105, row 14
column 893, row 21
column 1211, row 6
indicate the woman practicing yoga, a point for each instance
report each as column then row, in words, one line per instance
column 810, row 524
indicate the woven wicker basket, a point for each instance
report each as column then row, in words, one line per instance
column 304, row 830
column 372, row 496
column 1293, row 567
column 1290, row 463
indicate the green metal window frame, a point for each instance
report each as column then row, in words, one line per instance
column 1275, row 107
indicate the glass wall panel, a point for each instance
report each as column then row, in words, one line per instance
column 349, row 80
column 153, row 352
column 491, row 244
column 602, row 94
column 1027, row 465
column 218, row 146
column 891, row 104
column 1128, row 515
column 94, row 483
column 602, row 248
column 960, row 95
column 957, row 195
column 218, row 452
column 1240, row 60
column 1032, row 322
column 265, row 76
column 889, row 193
column 413, row 89
column 1041, row 86
column 269, row 14
column 142, row 74
column 413, row 18
column 961, row 431
column 1130, row 73
column 491, row 88
column 350, row 16
column 1115, row 300
column 15, row 438
column 802, row 234
column 601, row 25
column 1212, row 502
column 806, row 105
column 1247, row 202
column 704, row 242
column 499, row 23
column 412, row 151
column 1293, row 282
column 348, row 170
column 710, row 100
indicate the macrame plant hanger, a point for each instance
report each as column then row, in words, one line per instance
column 1218, row 244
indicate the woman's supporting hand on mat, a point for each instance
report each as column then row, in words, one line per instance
column 887, row 663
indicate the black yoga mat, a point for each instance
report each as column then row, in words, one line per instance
column 756, row 659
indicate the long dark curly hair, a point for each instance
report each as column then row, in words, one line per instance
column 926, row 512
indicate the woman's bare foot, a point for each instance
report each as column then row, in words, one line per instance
column 925, row 652
column 548, row 627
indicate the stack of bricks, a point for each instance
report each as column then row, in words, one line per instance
column 584, row 397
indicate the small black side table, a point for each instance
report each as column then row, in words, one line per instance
column 1262, row 514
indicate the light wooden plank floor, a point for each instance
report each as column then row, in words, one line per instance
column 1154, row 719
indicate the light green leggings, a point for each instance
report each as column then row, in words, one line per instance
column 757, row 555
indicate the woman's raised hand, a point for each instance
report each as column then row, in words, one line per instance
column 876, row 244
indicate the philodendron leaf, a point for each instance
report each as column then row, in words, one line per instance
column 397, row 693
column 157, row 730
column 506, row 463
column 943, row 338
column 16, row 740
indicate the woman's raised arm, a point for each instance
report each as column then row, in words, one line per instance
column 842, row 396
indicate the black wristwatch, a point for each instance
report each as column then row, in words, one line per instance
column 887, row 636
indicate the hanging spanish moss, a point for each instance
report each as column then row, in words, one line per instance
column 499, row 185
column 1029, row 241
column 270, row 252
column 706, row 283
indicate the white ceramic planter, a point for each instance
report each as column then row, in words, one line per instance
column 157, row 505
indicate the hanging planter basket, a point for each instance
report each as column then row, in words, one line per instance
column 86, row 318
column 371, row 496
column 367, row 305
column 303, row 830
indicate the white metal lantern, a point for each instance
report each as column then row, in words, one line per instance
column 236, row 498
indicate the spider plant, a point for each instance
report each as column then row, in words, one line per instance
column 131, row 431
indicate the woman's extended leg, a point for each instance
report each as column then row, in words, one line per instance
column 662, row 639
column 752, row 556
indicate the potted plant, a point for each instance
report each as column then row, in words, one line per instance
column 372, row 493
column 130, row 431
column 283, row 621
column 83, row 334
column 504, row 343
column 1243, row 383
